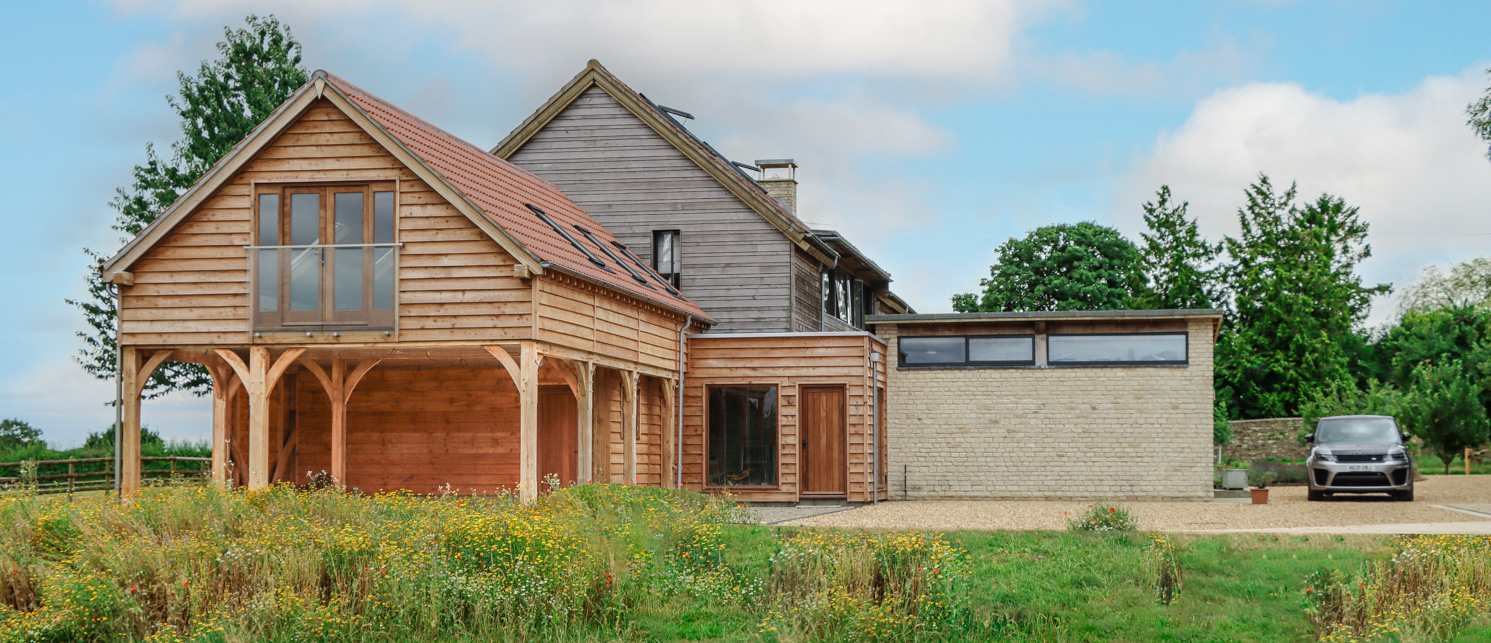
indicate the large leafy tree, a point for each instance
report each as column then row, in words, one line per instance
column 1297, row 300
column 1480, row 117
column 258, row 68
column 1441, row 336
column 1177, row 261
column 1083, row 266
column 17, row 433
column 1467, row 284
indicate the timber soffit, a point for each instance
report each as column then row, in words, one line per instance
column 717, row 166
column 487, row 190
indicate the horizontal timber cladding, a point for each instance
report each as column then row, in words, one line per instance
column 576, row 314
column 454, row 283
column 417, row 427
column 786, row 361
column 736, row 265
column 1051, row 432
column 650, row 431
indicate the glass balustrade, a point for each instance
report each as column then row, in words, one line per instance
column 347, row 285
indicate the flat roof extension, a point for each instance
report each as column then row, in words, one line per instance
column 1046, row 315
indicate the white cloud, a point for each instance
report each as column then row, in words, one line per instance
column 1407, row 160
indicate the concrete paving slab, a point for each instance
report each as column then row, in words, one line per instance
column 778, row 515
column 1478, row 528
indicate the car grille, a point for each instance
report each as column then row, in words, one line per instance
column 1400, row 477
column 1320, row 477
column 1360, row 457
column 1360, row 480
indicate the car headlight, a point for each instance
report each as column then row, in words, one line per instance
column 1396, row 456
column 1317, row 454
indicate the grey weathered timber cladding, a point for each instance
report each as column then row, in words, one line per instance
column 736, row 266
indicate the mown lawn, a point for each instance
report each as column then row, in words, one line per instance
column 632, row 564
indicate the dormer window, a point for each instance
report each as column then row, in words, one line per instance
column 667, row 257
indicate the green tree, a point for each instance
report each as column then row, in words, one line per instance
column 1177, row 261
column 1467, row 284
column 258, row 68
column 1443, row 408
column 1480, row 117
column 1060, row 267
column 1297, row 300
column 17, row 433
column 1345, row 398
column 1444, row 335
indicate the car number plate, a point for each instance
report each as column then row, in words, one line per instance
column 1358, row 467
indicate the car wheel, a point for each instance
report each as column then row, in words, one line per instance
column 1404, row 496
column 1315, row 495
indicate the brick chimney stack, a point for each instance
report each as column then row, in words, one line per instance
column 779, row 177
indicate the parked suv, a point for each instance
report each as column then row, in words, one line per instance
column 1358, row 454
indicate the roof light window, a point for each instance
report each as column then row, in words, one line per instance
column 638, row 262
column 640, row 279
column 572, row 241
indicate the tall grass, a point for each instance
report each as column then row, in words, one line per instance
column 286, row 564
column 1429, row 589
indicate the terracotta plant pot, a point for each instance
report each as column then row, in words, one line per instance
column 1260, row 496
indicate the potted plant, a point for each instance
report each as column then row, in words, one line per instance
column 1234, row 474
column 1261, row 480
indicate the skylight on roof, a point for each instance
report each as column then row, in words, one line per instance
column 639, row 278
column 572, row 241
column 645, row 270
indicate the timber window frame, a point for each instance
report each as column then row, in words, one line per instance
column 763, row 452
column 667, row 256
column 324, row 256
column 965, row 350
column 1056, row 338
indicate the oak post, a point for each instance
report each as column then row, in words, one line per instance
column 222, row 387
column 629, row 426
column 585, row 403
column 258, row 425
column 129, row 430
column 528, row 423
column 669, row 440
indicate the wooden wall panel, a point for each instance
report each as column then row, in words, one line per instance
column 650, row 432
column 788, row 362
column 590, row 318
column 735, row 264
column 455, row 284
column 419, row 428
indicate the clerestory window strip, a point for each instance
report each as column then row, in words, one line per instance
column 574, row 242
column 639, row 278
column 638, row 262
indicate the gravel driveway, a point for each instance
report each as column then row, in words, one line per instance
column 1287, row 508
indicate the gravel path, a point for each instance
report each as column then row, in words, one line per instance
column 1287, row 508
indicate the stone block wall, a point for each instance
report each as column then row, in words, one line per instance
column 1264, row 439
column 1043, row 432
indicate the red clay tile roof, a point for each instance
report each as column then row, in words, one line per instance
column 501, row 191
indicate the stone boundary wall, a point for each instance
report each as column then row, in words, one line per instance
column 1052, row 433
column 1267, row 438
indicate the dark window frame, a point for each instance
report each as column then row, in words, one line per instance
column 830, row 299
column 675, row 278
column 1184, row 361
column 776, row 388
column 967, row 363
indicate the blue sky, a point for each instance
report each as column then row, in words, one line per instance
column 928, row 133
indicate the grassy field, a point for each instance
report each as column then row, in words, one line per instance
column 628, row 563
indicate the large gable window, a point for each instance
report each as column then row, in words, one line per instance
column 323, row 256
column 742, row 436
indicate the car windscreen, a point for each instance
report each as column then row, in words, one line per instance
column 1371, row 430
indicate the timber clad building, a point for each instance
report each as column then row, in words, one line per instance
column 603, row 297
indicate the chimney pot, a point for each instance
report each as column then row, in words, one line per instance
column 779, row 178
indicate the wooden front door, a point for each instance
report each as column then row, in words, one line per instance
column 558, row 436
column 822, row 418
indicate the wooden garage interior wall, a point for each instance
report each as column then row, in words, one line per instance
column 788, row 362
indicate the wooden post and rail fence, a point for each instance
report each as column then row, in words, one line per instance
column 94, row 474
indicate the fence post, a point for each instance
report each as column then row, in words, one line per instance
column 1467, row 461
column 71, row 471
column 173, row 466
